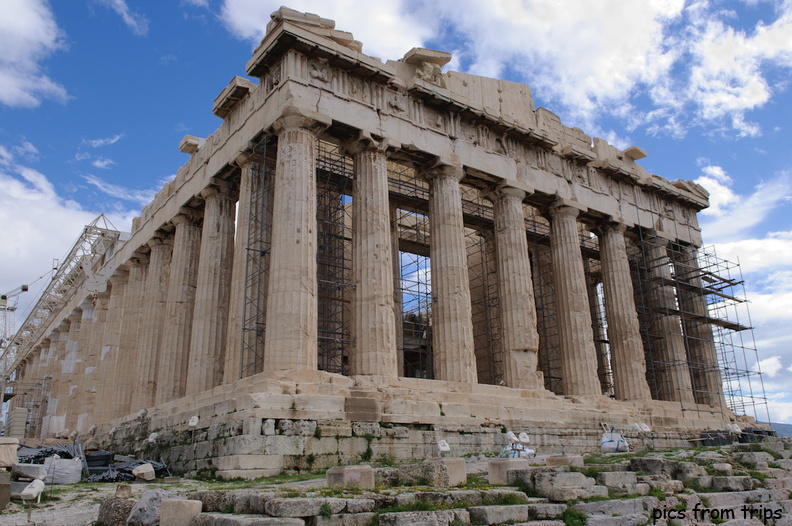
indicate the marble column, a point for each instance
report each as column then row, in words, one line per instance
column 76, row 415
column 103, row 404
column 125, row 372
column 69, row 364
column 578, row 355
column 155, row 296
column 701, row 352
column 628, row 361
column 93, row 357
column 251, row 167
column 397, row 292
column 515, row 291
column 213, row 289
column 667, row 341
column 291, row 340
column 374, row 325
column 179, row 306
column 453, row 348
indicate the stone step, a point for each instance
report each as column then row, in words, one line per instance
column 224, row 519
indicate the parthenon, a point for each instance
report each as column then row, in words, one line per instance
column 369, row 245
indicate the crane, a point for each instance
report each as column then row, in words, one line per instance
column 8, row 306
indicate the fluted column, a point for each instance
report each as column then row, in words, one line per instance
column 76, row 414
column 397, row 292
column 179, row 308
column 69, row 365
column 453, row 348
column 213, row 289
column 58, row 339
column 702, row 355
column 578, row 355
column 291, row 341
column 125, row 372
column 515, row 290
column 628, row 361
column 374, row 325
column 93, row 357
column 250, row 167
column 103, row 406
column 155, row 296
column 667, row 341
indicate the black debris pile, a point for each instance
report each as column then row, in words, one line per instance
column 121, row 470
column 37, row 455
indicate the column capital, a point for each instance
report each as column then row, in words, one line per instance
column 158, row 239
column 604, row 227
column 364, row 141
column 300, row 118
column 248, row 156
column 507, row 192
column 74, row 316
column 438, row 169
column 186, row 216
column 216, row 187
column 566, row 207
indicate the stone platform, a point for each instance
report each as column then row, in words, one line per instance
column 261, row 426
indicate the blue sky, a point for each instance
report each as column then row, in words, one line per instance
column 96, row 94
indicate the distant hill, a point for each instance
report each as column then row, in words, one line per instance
column 783, row 430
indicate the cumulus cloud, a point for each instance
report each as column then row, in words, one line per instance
column 387, row 29
column 694, row 62
column 136, row 22
column 39, row 224
column 28, row 35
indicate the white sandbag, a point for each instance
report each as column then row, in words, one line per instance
column 62, row 470
column 613, row 442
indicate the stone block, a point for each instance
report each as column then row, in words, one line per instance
column 457, row 474
column 732, row 483
column 30, row 471
column 753, row 457
column 114, row 512
column 179, row 512
column 8, row 452
column 687, row 471
column 361, row 409
column 250, row 462
column 302, row 507
column 497, row 468
column 297, row 427
column 424, row 518
column 251, row 426
column 247, row 474
column 222, row 519
column 562, row 487
column 451, row 499
column 723, row 468
column 242, row 445
column 351, row 476
column 655, row 466
column 366, row 428
column 146, row 511
column 5, row 492
column 329, row 406
column 268, row 427
column 499, row 514
column 144, row 472
column 612, row 507
column 343, row 519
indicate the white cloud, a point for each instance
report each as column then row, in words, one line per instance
column 717, row 183
column 387, row 29
column 772, row 251
column 97, row 143
column 38, row 225
column 136, row 22
column 769, row 366
column 102, row 163
column 28, row 35
column 141, row 197
column 196, row 3
column 737, row 215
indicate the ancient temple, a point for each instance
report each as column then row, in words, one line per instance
column 369, row 249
